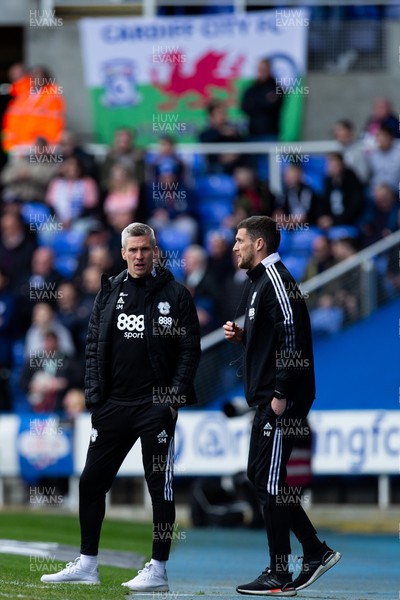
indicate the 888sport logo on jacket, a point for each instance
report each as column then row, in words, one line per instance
column 133, row 325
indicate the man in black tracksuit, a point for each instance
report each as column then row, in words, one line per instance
column 143, row 349
column 279, row 383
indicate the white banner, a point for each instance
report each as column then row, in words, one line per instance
column 158, row 74
column 152, row 44
column 356, row 442
column 208, row 443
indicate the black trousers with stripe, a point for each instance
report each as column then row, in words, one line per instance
column 271, row 443
column 115, row 429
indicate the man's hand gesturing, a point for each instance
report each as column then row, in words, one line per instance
column 233, row 333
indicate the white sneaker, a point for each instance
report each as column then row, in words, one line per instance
column 149, row 579
column 73, row 573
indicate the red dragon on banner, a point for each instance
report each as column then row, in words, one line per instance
column 206, row 75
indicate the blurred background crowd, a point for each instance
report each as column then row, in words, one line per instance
column 62, row 210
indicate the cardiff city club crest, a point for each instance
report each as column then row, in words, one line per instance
column 120, row 83
column 164, row 308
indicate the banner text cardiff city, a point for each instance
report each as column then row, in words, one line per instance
column 157, row 75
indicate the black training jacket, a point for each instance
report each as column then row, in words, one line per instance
column 174, row 350
column 277, row 339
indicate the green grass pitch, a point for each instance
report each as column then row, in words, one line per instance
column 20, row 575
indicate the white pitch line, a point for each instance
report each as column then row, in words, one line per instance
column 21, row 583
column 5, row 595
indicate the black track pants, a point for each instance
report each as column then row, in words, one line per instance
column 271, row 443
column 115, row 429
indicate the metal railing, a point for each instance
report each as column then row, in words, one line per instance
column 274, row 151
column 358, row 285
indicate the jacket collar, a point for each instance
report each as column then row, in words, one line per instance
column 259, row 269
column 271, row 259
column 160, row 275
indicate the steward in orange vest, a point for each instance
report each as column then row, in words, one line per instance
column 36, row 110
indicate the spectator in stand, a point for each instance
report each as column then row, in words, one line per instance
column 69, row 315
column 117, row 223
column 343, row 198
column 123, row 152
column 69, row 146
column 298, row 201
column 352, row 150
column 382, row 115
column 48, row 374
column 253, row 195
column 44, row 277
column 234, row 292
column 383, row 217
column 90, row 286
column 17, row 245
column 343, row 248
column 100, row 257
column 72, row 195
column 25, row 177
column 123, row 191
column 327, row 317
column 338, row 305
column 344, row 297
column 384, row 160
column 13, row 120
column 262, row 103
column 97, row 235
column 321, row 257
column 220, row 130
column 166, row 164
column 7, row 315
column 220, row 256
column 37, row 109
column 74, row 403
column 202, row 286
column 44, row 319
column 168, row 193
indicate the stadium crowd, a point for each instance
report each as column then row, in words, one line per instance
column 62, row 212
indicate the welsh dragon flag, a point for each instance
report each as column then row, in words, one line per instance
column 157, row 74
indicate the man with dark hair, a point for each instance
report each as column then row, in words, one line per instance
column 279, row 383
column 343, row 200
column 353, row 153
column 262, row 103
column 143, row 349
column 220, row 130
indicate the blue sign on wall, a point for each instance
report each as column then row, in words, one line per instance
column 44, row 447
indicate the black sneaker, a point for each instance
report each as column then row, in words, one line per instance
column 316, row 565
column 268, row 584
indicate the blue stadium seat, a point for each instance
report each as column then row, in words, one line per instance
column 18, row 353
column 68, row 242
column 338, row 232
column 224, row 232
column 40, row 212
column 173, row 238
column 296, row 265
column 285, row 245
column 263, row 168
column 314, row 172
column 214, row 211
column 172, row 242
column 302, row 241
column 66, row 265
column 216, row 186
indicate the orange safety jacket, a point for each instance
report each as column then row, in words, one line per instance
column 32, row 115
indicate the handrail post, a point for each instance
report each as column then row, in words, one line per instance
column 368, row 288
